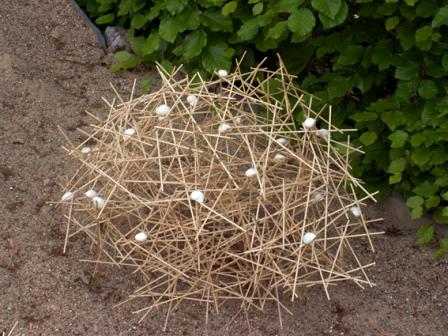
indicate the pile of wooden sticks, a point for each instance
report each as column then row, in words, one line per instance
column 213, row 191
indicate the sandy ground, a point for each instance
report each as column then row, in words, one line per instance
column 51, row 71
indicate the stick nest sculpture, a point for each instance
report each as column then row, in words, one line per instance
column 212, row 192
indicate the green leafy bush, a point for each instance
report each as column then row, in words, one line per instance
column 383, row 65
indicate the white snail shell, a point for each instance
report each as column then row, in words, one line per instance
column 68, row 196
column 91, row 193
column 141, row 236
column 279, row 157
column 318, row 196
column 198, row 196
column 86, row 150
column 323, row 133
column 192, row 100
column 224, row 127
column 282, row 141
column 222, row 73
column 308, row 237
column 309, row 122
column 163, row 110
column 250, row 172
column 355, row 211
column 98, row 202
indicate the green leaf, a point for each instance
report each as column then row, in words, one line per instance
column 416, row 212
column 368, row 138
column 420, row 156
column 406, row 90
column 350, row 55
column 214, row 20
column 397, row 166
column 425, row 234
column 138, row 21
column 194, row 44
column 426, row 8
column 444, row 61
column 154, row 11
column 425, row 189
column 229, row 8
column 414, row 201
column 105, row 19
column 406, row 35
column 339, row 87
column 216, row 56
column 364, row 116
column 301, row 22
column 422, row 34
column 392, row 22
column 382, row 51
column 439, row 217
column 410, row 2
column 126, row 7
column 277, row 31
column 257, row 9
column 136, row 43
column 124, row 60
column 427, row 89
column 328, row 23
column 327, row 7
column 442, row 181
column 190, row 19
column 170, row 27
column 396, row 178
column 287, row 6
column 441, row 18
column 432, row 202
column 387, row 104
column 407, row 71
column 175, row 6
column 152, row 44
column 442, row 251
column 398, row 138
column 393, row 119
column 417, row 139
column 146, row 84
column 248, row 30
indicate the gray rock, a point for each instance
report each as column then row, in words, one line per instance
column 116, row 38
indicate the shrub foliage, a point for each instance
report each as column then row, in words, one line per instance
column 382, row 64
